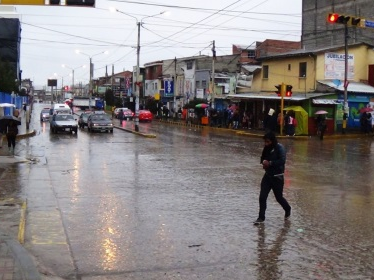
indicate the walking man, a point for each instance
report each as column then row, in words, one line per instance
column 273, row 161
column 11, row 135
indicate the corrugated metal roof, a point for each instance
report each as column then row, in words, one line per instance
column 352, row 86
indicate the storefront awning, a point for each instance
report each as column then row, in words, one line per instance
column 352, row 86
column 273, row 96
column 326, row 101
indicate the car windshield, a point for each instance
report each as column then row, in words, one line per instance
column 45, row 111
column 64, row 118
column 100, row 117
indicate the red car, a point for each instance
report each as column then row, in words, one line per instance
column 145, row 116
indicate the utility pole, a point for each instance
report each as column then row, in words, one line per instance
column 174, row 88
column 283, row 92
column 137, row 85
column 213, row 73
column 345, row 69
column 111, row 80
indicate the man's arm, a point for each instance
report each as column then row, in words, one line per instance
column 281, row 156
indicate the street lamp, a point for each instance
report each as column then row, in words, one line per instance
column 72, row 69
column 137, row 82
column 91, row 71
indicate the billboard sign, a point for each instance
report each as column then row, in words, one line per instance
column 335, row 66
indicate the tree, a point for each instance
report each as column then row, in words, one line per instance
column 7, row 81
column 109, row 98
column 151, row 104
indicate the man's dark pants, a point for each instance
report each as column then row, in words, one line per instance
column 269, row 183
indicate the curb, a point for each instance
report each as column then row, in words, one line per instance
column 24, row 260
column 136, row 132
column 27, row 134
column 260, row 135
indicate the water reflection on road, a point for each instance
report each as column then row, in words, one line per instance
column 182, row 205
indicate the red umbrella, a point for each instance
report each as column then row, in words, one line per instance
column 366, row 109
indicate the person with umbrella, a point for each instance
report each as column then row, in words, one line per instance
column 11, row 132
column 321, row 125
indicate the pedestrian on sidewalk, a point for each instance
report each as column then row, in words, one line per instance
column 11, row 134
column 273, row 160
column 120, row 116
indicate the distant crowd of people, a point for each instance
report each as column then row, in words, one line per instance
column 231, row 118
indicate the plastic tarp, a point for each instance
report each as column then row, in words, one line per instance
column 302, row 119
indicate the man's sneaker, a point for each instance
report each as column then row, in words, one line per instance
column 287, row 215
column 258, row 221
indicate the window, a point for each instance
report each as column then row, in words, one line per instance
column 289, row 67
column 203, row 83
column 302, row 69
column 265, row 71
column 251, row 53
column 189, row 65
column 197, row 84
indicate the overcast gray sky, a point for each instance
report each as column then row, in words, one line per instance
column 50, row 35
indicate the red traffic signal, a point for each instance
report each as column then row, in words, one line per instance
column 66, row 88
column 336, row 18
column 332, row 18
column 288, row 90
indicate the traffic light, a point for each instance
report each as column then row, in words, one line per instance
column 86, row 3
column 279, row 90
column 288, row 90
column 355, row 21
column 337, row 18
column 66, row 88
column 346, row 19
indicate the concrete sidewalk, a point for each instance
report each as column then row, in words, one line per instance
column 15, row 261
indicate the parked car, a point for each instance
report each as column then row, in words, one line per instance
column 128, row 114
column 63, row 122
column 145, row 116
column 44, row 114
column 83, row 118
column 100, row 122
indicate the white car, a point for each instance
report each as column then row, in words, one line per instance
column 44, row 114
column 116, row 111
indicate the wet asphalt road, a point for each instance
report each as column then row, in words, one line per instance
column 181, row 206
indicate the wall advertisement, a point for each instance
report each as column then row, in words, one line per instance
column 335, row 66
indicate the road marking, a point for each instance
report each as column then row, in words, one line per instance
column 22, row 222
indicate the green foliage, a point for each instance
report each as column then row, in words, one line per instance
column 151, row 104
column 7, row 78
column 23, row 92
column 109, row 98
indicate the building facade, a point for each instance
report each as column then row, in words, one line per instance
column 10, row 43
column 317, row 80
column 318, row 33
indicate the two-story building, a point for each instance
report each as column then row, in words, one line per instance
column 177, row 81
column 317, row 80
